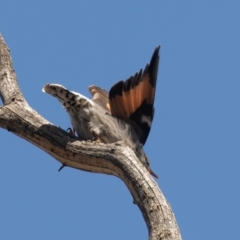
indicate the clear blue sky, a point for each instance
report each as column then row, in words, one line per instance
column 195, row 139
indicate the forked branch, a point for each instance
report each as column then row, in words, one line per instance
column 116, row 159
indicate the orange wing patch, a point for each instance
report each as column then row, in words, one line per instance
column 132, row 100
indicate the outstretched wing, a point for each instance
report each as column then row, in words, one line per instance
column 100, row 96
column 132, row 100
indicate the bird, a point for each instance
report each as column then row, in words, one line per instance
column 125, row 113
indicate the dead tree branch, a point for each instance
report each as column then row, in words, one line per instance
column 19, row 118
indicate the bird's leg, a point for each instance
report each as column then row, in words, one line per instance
column 71, row 131
column 96, row 138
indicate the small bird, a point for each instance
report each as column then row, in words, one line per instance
column 124, row 114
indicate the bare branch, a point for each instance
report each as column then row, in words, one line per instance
column 8, row 77
column 115, row 159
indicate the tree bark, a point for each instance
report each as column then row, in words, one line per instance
column 116, row 159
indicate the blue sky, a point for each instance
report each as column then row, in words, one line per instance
column 195, row 137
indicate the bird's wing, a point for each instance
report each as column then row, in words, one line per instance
column 100, row 96
column 132, row 100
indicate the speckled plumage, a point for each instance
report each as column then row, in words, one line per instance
column 90, row 120
column 124, row 114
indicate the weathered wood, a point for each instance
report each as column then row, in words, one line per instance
column 19, row 118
